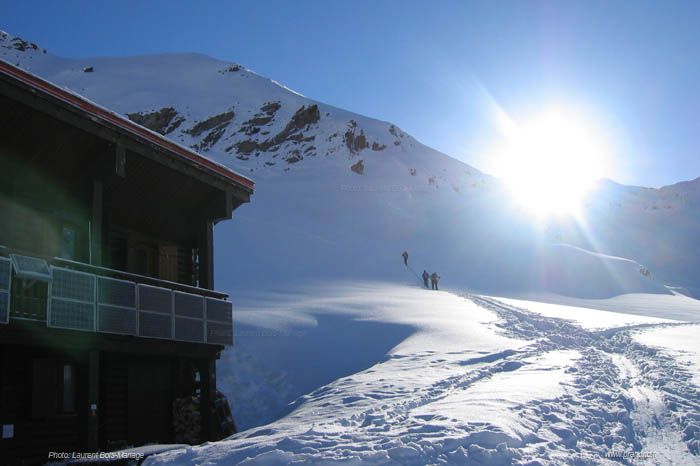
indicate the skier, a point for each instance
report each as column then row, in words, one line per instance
column 434, row 280
column 405, row 258
column 425, row 278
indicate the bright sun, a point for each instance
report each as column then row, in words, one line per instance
column 551, row 161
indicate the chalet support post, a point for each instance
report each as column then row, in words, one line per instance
column 93, row 400
column 120, row 161
column 96, row 223
column 207, row 377
column 206, row 256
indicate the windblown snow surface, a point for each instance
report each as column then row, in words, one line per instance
column 384, row 373
column 560, row 343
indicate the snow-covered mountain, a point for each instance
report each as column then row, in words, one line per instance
column 342, row 195
column 657, row 227
column 376, row 372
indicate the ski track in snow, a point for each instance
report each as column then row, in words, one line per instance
column 625, row 397
column 608, row 394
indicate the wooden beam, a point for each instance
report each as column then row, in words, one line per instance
column 207, row 377
column 35, row 333
column 96, row 224
column 206, row 255
column 120, row 161
column 93, row 400
column 240, row 197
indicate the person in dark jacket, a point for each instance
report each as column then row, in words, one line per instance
column 425, row 278
column 434, row 280
column 405, row 258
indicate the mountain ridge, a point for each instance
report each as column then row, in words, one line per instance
column 343, row 194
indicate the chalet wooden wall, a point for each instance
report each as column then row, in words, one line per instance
column 136, row 395
column 32, row 406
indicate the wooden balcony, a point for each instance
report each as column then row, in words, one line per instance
column 76, row 296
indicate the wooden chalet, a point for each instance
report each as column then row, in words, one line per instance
column 108, row 312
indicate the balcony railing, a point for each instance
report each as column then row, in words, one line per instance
column 77, row 296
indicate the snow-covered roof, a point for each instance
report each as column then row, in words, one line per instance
column 104, row 115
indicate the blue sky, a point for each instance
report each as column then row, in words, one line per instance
column 436, row 69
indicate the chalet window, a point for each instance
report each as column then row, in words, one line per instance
column 145, row 255
column 168, row 263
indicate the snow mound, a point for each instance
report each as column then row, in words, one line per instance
column 289, row 345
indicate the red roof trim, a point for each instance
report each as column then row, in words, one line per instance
column 122, row 123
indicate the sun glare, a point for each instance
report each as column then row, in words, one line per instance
column 550, row 162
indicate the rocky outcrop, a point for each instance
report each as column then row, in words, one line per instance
column 270, row 108
column 234, row 68
column 245, row 147
column 302, row 119
column 305, row 116
column 358, row 167
column 163, row 121
column 258, row 121
column 211, row 138
column 253, row 125
column 18, row 44
column 187, row 420
column 216, row 126
column 397, row 133
column 210, row 123
column 22, row 45
column 355, row 142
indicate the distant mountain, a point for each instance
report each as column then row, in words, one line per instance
column 342, row 195
column 657, row 227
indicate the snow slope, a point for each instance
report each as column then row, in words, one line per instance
column 661, row 306
column 341, row 195
column 590, row 319
column 356, row 325
column 468, row 380
column 681, row 342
